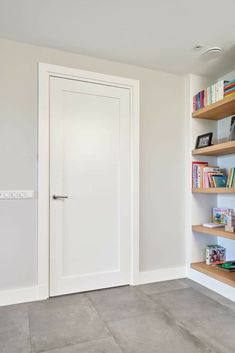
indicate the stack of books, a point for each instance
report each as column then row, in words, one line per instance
column 205, row 176
column 212, row 94
column 231, row 178
column 229, row 88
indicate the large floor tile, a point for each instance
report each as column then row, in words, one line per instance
column 104, row 345
column 155, row 333
column 118, row 303
column 14, row 329
column 161, row 287
column 63, row 321
column 212, row 322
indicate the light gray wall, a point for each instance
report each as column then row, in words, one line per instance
column 162, row 159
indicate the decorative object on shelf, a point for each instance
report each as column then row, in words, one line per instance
column 204, row 140
column 215, row 254
column 228, row 266
column 220, row 215
column 232, row 129
column 230, row 221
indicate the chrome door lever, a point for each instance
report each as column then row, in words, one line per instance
column 58, row 197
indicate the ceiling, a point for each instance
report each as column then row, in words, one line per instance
column 157, row 34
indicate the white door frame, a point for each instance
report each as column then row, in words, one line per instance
column 45, row 71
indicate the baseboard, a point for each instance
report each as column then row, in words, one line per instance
column 160, row 275
column 211, row 283
column 29, row 294
column 20, row 295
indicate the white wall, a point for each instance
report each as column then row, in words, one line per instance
column 162, row 159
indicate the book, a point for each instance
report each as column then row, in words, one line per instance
column 196, row 174
column 212, row 225
column 220, row 181
column 228, row 266
column 228, row 84
column 228, row 94
column 211, row 180
column 219, row 215
column 231, row 181
column 204, row 180
column 229, row 88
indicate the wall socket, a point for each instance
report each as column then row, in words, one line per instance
column 16, row 194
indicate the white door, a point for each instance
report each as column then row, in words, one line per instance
column 90, row 166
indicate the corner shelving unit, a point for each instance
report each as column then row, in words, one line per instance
column 199, row 208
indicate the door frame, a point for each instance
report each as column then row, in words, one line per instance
column 45, row 71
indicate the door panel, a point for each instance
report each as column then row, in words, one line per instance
column 89, row 163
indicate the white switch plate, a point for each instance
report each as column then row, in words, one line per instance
column 16, row 194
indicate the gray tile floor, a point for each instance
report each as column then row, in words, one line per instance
column 169, row 317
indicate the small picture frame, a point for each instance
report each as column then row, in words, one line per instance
column 204, row 140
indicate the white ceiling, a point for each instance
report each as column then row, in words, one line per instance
column 157, row 34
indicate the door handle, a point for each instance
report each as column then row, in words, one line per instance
column 58, row 197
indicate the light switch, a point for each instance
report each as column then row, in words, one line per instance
column 16, row 194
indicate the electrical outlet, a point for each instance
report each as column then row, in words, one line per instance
column 16, row 194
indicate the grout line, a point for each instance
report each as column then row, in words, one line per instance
column 73, row 345
column 30, row 340
column 105, row 322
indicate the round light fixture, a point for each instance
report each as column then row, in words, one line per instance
column 213, row 53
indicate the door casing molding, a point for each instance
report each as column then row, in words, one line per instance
column 45, row 71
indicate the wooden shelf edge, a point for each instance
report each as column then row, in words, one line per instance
column 213, row 191
column 219, row 149
column 211, row 271
column 216, row 111
column 216, row 232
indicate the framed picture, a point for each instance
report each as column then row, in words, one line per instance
column 204, row 140
column 232, row 129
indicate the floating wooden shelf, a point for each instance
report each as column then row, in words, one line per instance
column 214, row 191
column 214, row 272
column 216, row 111
column 220, row 149
column 216, row 232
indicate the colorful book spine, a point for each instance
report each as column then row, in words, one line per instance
column 196, row 173
column 213, row 94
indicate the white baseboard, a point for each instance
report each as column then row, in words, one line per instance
column 160, row 275
column 20, row 295
column 29, row 294
column 211, row 283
